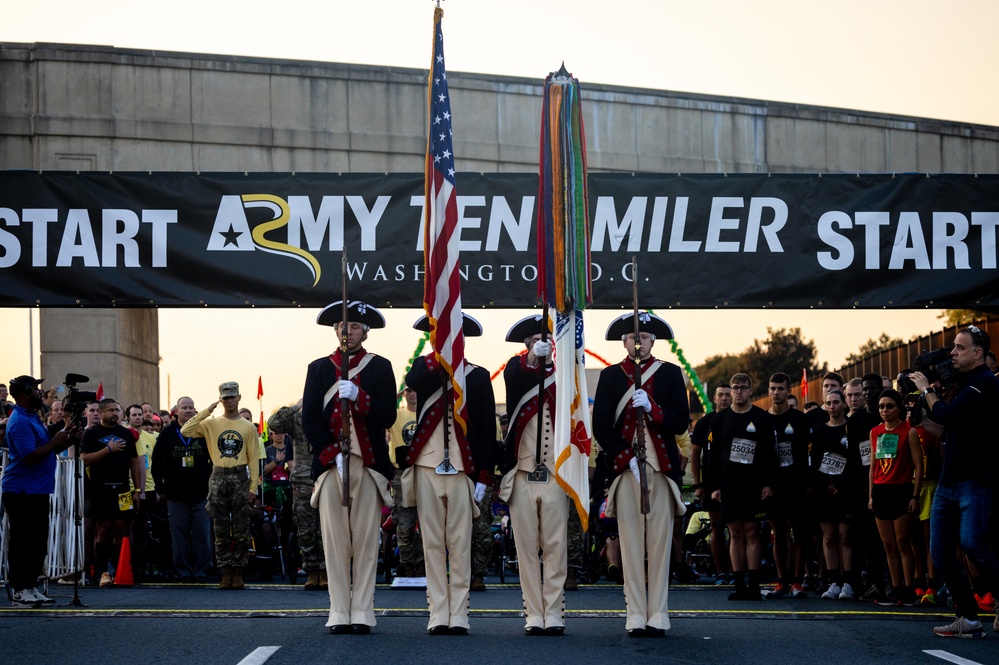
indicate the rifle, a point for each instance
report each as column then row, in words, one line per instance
column 345, row 376
column 639, row 443
column 445, row 468
column 540, row 473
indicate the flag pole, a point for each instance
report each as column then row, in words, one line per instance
column 540, row 474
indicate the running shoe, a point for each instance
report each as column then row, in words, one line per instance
column 929, row 597
column 961, row 628
column 25, row 598
column 873, row 594
column 986, row 603
column 106, row 580
column 832, row 593
column 42, row 598
column 890, row 599
column 797, row 591
column 778, row 592
column 846, row 592
column 908, row 598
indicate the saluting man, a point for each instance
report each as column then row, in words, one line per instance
column 362, row 390
column 661, row 402
column 538, row 505
column 449, row 473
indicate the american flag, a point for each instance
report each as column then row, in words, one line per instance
column 442, row 283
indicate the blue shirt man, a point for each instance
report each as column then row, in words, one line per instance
column 27, row 483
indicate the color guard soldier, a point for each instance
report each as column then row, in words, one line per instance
column 661, row 402
column 365, row 390
column 449, row 473
column 538, row 505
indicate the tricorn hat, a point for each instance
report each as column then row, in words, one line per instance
column 469, row 326
column 650, row 323
column 528, row 326
column 357, row 312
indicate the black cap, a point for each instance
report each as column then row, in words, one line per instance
column 648, row 323
column 469, row 326
column 529, row 326
column 23, row 384
column 357, row 312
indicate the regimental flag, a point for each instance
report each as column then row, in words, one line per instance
column 564, row 276
column 804, row 387
column 442, row 282
column 573, row 431
column 260, row 387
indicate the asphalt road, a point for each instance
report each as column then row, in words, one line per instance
column 280, row 624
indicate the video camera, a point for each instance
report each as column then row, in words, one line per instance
column 936, row 366
column 77, row 400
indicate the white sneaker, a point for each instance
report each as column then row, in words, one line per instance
column 961, row 628
column 42, row 598
column 25, row 598
column 846, row 593
column 832, row 593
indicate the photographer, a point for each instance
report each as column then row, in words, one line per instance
column 28, row 481
column 961, row 506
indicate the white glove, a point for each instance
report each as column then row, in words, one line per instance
column 480, row 491
column 339, row 464
column 641, row 400
column 542, row 349
column 348, row 390
column 633, row 463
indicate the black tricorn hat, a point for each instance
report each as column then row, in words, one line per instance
column 650, row 323
column 529, row 326
column 469, row 326
column 358, row 311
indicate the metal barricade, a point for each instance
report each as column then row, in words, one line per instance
column 65, row 539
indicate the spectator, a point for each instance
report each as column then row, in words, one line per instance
column 109, row 450
column 234, row 448
column 181, row 469
column 28, row 481
column 963, row 499
column 6, row 408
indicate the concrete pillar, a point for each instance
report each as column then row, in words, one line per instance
column 116, row 347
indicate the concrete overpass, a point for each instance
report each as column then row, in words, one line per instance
column 95, row 108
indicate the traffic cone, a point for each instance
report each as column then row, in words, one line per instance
column 123, row 575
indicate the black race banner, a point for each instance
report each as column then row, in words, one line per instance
column 275, row 239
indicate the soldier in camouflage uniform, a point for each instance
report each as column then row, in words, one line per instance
column 235, row 450
column 288, row 420
column 482, row 541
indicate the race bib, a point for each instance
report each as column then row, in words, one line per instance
column 865, row 452
column 784, row 453
column 743, row 451
column 832, row 464
column 125, row 501
column 887, row 446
